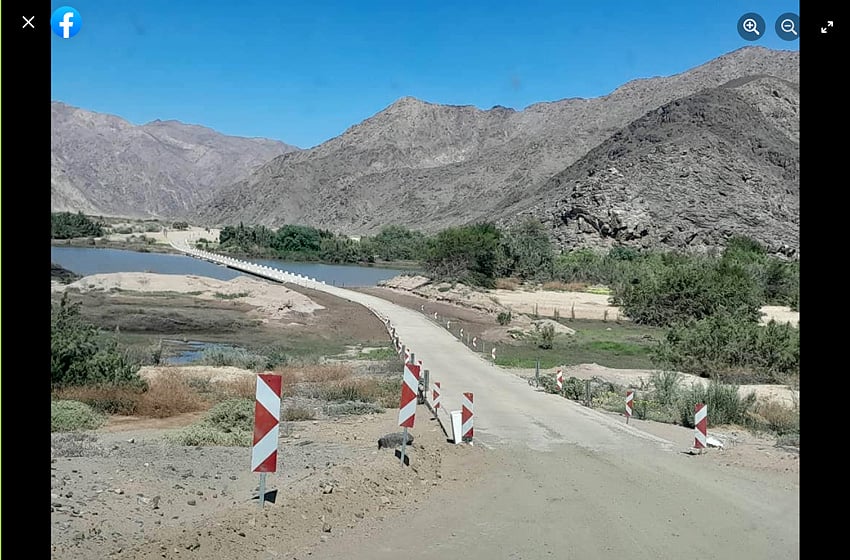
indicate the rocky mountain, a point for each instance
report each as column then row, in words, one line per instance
column 689, row 174
column 431, row 166
column 103, row 164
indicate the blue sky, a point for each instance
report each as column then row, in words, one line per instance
column 303, row 72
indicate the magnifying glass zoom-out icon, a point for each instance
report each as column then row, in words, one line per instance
column 787, row 26
column 751, row 26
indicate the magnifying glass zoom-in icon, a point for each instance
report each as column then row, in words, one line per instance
column 751, row 26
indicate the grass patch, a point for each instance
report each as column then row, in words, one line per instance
column 616, row 348
column 72, row 416
column 608, row 344
column 377, row 354
column 237, row 295
column 599, row 290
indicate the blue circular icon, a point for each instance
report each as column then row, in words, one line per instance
column 751, row 27
column 66, row 22
column 788, row 26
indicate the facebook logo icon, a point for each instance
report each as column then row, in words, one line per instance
column 66, row 22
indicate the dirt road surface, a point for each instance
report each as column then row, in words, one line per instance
column 570, row 482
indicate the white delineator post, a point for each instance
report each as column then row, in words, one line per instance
column 630, row 397
column 266, row 428
column 559, row 379
column 493, row 354
column 435, row 396
column 407, row 405
column 474, row 342
column 700, row 425
column 466, row 418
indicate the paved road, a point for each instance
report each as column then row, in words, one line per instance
column 570, row 482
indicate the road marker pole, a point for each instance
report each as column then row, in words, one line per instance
column 407, row 405
column 559, row 379
column 266, row 428
column 466, row 418
column 700, row 425
column 630, row 397
column 435, row 396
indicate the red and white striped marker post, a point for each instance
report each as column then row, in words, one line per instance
column 449, row 325
column 474, row 342
column 700, row 425
column 630, row 397
column 493, row 354
column 466, row 419
column 435, row 315
column 407, row 405
column 266, row 427
column 435, row 396
column 559, row 379
column 461, row 334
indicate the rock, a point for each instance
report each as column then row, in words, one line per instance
column 385, row 500
column 326, row 527
column 328, row 489
column 359, row 515
column 191, row 502
column 391, row 441
column 131, row 440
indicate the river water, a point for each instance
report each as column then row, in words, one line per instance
column 85, row 261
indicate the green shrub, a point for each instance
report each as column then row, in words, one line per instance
column 546, row 337
column 504, row 318
column 202, row 434
column 725, row 404
column 232, row 415
column 65, row 225
column 229, row 423
column 666, row 386
column 234, row 357
column 732, row 348
column 70, row 416
column 691, row 289
column 80, row 354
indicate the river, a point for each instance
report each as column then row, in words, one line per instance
column 85, row 261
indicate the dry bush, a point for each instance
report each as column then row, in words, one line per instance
column 170, row 394
column 104, row 399
column 243, row 387
column 507, row 283
column 296, row 413
column 776, row 417
column 559, row 286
